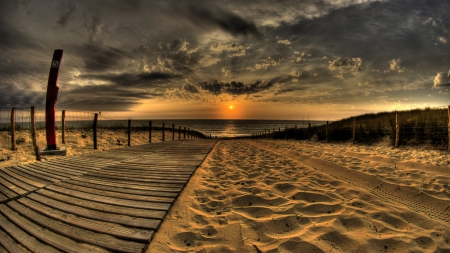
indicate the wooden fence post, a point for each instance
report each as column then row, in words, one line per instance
column 397, row 130
column 13, row 129
column 129, row 132
column 273, row 133
column 150, row 131
column 326, row 133
column 33, row 132
column 189, row 135
column 184, row 133
column 295, row 132
column 63, row 127
column 309, row 131
column 354, row 130
column 286, row 133
column 173, row 132
column 94, row 127
column 179, row 132
column 163, row 133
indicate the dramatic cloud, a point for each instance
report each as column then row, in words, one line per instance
column 395, row 65
column 68, row 15
column 346, row 65
column 442, row 79
column 235, row 88
column 223, row 19
column 101, row 58
column 133, row 80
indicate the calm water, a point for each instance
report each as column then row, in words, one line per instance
column 235, row 128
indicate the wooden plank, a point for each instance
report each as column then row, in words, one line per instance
column 122, row 189
column 166, row 182
column 22, row 237
column 110, row 200
column 129, row 186
column 102, row 207
column 118, row 195
column 108, row 228
column 23, row 179
column 7, row 192
column 17, row 182
column 15, row 188
column 32, row 175
column 142, row 175
column 98, row 215
column 105, row 241
column 178, row 186
column 54, row 239
column 57, row 169
column 3, row 198
column 77, row 168
column 44, row 170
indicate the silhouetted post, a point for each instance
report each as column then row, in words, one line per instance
column 94, row 129
column 210, row 136
column 295, row 132
column 184, row 133
column 273, row 133
column 150, row 131
column 449, row 128
column 286, row 133
column 63, row 126
column 354, row 130
column 189, row 134
column 13, row 129
column 326, row 133
column 129, row 132
column 179, row 132
column 173, row 132
column 397, row 130
column 33, row 132
column 163, row 133
column 309, row 131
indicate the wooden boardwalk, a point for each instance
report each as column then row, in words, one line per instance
column 100, row 202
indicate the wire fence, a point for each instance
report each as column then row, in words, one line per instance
column 75, row 132
column 413, row 127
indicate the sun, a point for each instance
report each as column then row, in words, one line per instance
column 231, row 107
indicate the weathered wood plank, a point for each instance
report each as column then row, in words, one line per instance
column 107, row 228
column 110, row 200
column 120, row 188
column 102, row 207
column 78, row 234
column 32, row 175
column 175, row 187
column 17, row 182
column 126, row 220
column 8, row 243
column 53, row 239
column 23, row 179
column 7, row 192
column 57, row 169
column 119, row 183
column 45, row 171
column 163, row 182
column 15, row 188
column 114, row 194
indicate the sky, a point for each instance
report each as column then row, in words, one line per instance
column 193, row 59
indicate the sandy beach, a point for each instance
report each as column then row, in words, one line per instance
column 286, row 196
column 77, row 142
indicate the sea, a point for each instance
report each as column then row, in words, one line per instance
column 236, row 128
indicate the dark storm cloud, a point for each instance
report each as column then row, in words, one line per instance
column 100, row 57
column 235, row 88
column 16, row 97
column 223, row 19
column 68, row 15
column 12, row 38
column 102, row 97
column 133, row 80
column 442, row 79
column 190, row 88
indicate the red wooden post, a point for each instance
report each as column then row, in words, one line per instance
column 50, row 104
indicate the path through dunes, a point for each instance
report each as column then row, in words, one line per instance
column 284, row 196
column 110, row 201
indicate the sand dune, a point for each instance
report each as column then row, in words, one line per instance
column 77, row 142
column 284, row 196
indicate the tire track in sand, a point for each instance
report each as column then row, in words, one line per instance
column 411, row 197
